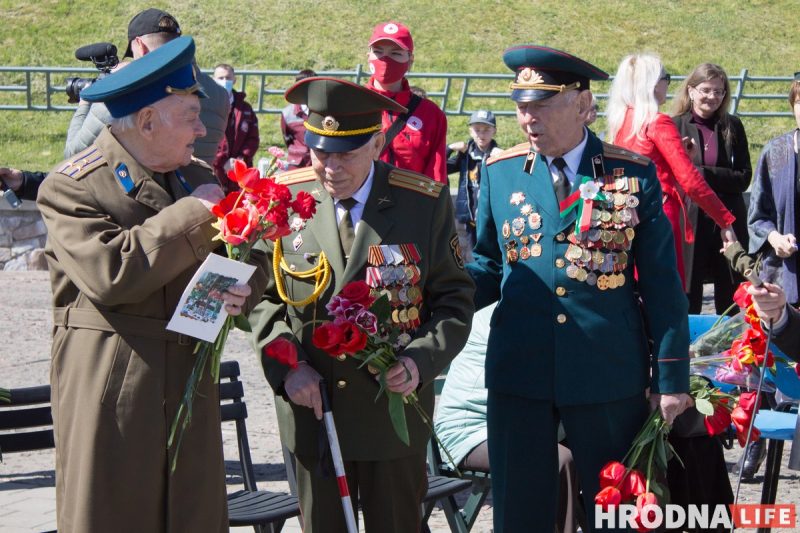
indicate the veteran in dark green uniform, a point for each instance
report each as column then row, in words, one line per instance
column 126, row 232
column 563, row 220
column 393, row 228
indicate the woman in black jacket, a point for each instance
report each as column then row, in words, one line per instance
column 717, row 144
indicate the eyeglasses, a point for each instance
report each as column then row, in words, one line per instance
column 711, row 92
column 666, row 77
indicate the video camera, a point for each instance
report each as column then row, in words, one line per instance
column 104, row 57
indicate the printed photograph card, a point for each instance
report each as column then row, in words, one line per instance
column 201, row 310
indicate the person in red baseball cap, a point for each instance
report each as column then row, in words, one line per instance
column 415, row 140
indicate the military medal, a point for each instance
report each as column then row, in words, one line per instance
column 297, row 242
column 518, row 226
column 506, row 230
column 535, row 221
column 511, row 252
column 517, row 198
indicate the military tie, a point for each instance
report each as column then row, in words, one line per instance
column 561, row 185
column 347, row 232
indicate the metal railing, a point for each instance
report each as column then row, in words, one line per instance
column 43, row 89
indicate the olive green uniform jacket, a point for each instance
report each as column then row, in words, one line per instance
column 121, row 251
column 403, row 207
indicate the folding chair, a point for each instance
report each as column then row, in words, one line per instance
column 265, row 511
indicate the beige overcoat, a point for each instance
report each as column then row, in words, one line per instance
column 120, row 251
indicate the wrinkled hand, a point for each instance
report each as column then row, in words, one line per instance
column 12, row 177
column 235, row 297
column 209, row 194
column 728, row 237
column 691, row 147
column 769, row 301
column 671, row 405
column 784, row 245
column 459, row 146
column 302, row 387
column 403, row 377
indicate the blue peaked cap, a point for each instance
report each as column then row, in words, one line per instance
column 166, row 70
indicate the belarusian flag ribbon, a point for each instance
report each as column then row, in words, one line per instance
column 588, row 191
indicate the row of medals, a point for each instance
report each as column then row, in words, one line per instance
column 598, row 256
column 399, row 284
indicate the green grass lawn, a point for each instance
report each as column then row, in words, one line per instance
column 450, row 36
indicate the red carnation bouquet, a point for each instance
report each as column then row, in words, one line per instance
column 362, row 328
column 259, row 211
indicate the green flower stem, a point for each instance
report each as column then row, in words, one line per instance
column 413, row 399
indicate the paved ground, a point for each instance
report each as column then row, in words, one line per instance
column 27, row 494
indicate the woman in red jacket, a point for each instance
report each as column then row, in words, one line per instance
column 639, row 88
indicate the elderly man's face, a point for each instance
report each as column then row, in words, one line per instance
column 555, row 125
column 342, row 174
column 175, row 126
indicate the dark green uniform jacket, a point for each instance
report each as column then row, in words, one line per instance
column 403, row 208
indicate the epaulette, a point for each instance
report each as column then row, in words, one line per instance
column 615, row 152
column 514, row 151
column 82, row 163
column 200, row 163
column 300, row 175
column 413, row 181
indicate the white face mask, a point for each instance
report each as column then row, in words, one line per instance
column 226, row 84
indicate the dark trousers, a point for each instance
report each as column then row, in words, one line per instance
column 389, row 493
column 523, row 454
column 708, row 263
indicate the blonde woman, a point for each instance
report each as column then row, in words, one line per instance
column 634, row 122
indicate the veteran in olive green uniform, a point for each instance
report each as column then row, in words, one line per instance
column 563, row 220
column 126, row 232
column 404, row 237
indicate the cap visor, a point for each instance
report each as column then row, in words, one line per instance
column 531, row 95
column 395, row 41
column 336, row 145
column 128, row 51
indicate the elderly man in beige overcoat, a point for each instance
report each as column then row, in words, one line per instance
column 126, row 231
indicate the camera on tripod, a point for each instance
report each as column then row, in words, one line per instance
column 104, row 57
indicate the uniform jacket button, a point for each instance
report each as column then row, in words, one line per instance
column 560, row 263
column 561, row 237
column 560, row 318
column 341, row 357
column 561, row 291
column 341, row 384
column 202, row 251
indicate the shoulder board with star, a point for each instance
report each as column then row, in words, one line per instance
column 300, row 175
column 615, row 152
column 82, row 163
column 413, row 181
column 514, row 151
column 200, row 163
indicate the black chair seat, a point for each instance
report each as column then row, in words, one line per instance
column 442, row 486
column 246, row 508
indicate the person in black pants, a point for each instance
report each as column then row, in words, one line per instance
column 717, row 144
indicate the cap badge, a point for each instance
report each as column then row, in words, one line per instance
column 529, row 76
column 330, row 124
column 390, row 28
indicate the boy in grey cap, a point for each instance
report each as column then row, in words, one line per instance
column 466, row 159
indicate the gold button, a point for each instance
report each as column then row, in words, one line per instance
column 560, row 263
column 341, row 357
column 560, row 237
column 561, row 318
column 202, row 251
column 341, row 384
column 561, row 291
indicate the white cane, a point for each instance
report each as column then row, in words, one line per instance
column 338, row 464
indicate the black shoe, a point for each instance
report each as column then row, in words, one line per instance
column 753, row 457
